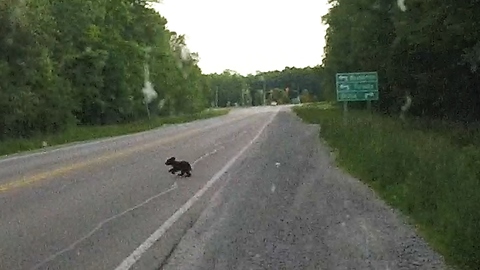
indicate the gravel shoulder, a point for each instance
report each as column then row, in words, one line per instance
column 285, row 205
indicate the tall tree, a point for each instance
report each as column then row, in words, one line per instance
column 86, row 62
column 429, row 50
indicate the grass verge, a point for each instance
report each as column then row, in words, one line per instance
column 84, row 133
column 425, row 173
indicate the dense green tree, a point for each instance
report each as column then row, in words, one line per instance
column 85, row 62
column 430, row 51
column 89, row 62
column 295, row 79
column 33, row 97
column 249, row 90
column 229, row 87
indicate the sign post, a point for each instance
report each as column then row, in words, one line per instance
column 356, row 86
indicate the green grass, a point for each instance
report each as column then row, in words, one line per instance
column 84, row 133
column 320, row 105
column 421, row 169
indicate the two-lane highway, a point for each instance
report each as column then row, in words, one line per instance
column 89, row 206
column 264, row 194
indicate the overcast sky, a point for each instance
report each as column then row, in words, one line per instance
column 249, row 35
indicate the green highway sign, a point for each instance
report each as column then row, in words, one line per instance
column 358, row 86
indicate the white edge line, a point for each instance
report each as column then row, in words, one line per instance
column 69, row 146
column 81, row 144
column 100, row 225
column 137, row 253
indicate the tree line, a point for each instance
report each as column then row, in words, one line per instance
column 85, row 62
column 428, row 50
column 229, row 87
column 99, row 62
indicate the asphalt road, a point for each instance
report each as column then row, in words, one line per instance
column 263, row 195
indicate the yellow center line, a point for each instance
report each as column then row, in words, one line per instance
column 28, row 179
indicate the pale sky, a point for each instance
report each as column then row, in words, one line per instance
column 249, row 35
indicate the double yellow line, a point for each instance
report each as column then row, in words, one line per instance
column 95, row 161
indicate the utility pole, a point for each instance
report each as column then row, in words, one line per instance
column 264, row 93
column 264, row 89
column 216, row 98
column 298, row 94
column 243, row 97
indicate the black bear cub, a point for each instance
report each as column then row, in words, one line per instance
column 182, row 166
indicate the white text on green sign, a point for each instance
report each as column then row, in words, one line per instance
column 357, row 77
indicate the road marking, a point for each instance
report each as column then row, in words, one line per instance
column 100, row 225
column 26, row 180
column 79, row 144
column 69, row 146
column 60, row 171
column 137, row 253
column 206, row 155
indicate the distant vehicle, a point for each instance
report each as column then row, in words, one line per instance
column 274, row 103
